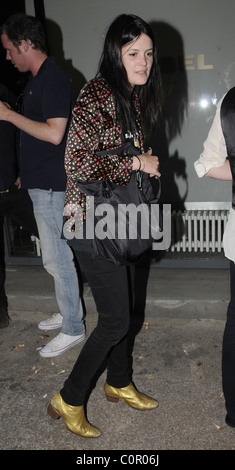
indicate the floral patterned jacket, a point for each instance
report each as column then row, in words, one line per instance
column 94, row 127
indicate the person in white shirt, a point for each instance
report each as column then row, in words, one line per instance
column 217, row 161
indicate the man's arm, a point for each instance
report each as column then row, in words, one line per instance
column 50, row 131
column 222, row 172
column 213, row 159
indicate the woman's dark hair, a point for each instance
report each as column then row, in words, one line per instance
column 19, row 27
column 123, row 30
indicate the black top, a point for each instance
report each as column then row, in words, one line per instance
column 8, row 160
column 47, row 95
column 227, row 115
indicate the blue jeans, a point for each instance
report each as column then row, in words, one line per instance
column 57, row 257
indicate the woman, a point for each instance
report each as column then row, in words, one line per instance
column 124, row 98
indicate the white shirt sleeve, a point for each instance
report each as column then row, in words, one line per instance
column 214, row 152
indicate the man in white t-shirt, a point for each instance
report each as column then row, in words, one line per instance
column 217, row 161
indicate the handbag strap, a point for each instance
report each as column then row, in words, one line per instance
column 126, row 147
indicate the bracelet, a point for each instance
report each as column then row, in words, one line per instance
column 139, row 162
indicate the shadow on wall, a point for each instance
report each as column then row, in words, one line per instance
column 171, row 60
column 55, row 41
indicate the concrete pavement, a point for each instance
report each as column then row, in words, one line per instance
column 177, row 359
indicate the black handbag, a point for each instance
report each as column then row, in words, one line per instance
column 125, row 233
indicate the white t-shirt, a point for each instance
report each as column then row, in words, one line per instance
column 214, row 155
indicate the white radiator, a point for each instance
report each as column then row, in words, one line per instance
column 199, row 229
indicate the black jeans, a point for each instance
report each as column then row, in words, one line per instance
column 228, row 353
column 112, row 289
column 18, row 206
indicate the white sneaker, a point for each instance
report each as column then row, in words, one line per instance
column 55, row 321
column 60, row 344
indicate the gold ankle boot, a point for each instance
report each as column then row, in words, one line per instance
column 131, row 396
column 73, row 416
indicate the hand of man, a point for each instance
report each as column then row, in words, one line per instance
column 4, row 108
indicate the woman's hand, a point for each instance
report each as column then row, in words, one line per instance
column 149, row 163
